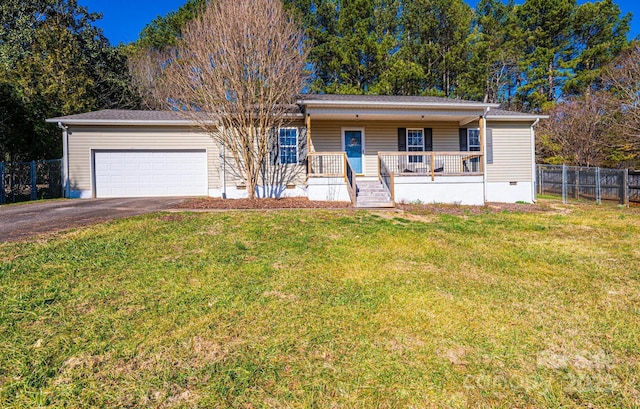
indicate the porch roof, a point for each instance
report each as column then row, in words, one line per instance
column 311, row 100
column 405, row 108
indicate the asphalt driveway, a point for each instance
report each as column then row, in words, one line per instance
column 21, row 221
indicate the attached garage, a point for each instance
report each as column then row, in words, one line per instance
column 121, row 153
column 147, row 173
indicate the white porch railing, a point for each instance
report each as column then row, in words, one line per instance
column 387, row 178
column 432, row 163
column 332, row 164
column 326, row 164
column 394, row 164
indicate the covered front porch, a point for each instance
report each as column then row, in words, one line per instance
column 427, row 177
column 426, row 152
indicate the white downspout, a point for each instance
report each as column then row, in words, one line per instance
column 484, row 151
column 65, row 159
column 533, row 161
column 224, row 176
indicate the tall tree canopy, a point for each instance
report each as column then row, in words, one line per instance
column 53, row 61
column 526, row 56
column 530, row 56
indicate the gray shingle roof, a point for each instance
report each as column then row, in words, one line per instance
column 386, row 98
column 141, row 116
column 175, row 117
column 124, row 115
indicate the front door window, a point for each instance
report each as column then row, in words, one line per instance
column 353, row 149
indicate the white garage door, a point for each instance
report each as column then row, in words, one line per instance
column 150, row 173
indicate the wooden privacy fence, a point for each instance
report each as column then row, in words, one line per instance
column 575, row 183
column 24, row 181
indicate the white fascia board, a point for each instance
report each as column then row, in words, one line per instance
column 149, row 122
column 116, row 122
column 408, row 105
column 507, row 118
column 379, row 111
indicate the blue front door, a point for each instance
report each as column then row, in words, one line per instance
column 353, row 148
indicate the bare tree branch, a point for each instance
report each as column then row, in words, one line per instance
column 145, row 67
column 623, row 79
column 239, row 67
column 578, row 132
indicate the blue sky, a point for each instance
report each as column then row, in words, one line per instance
column 124, row 19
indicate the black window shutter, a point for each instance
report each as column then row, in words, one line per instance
column 463, row 140
column 428, row 139
column 402, row 139
column 489, row 146
column 302, row 146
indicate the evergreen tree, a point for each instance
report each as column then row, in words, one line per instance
column 435, row 36
column 599, row 34
column 351, row 43
column 164, row 30
column 548, row 50
column 496, row 48
column 54, row 61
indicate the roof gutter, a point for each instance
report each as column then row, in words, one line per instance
column 459, row 105
column 517, row 118
column 71, row 121
column 146, row 122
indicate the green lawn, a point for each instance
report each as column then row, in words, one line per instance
column 326, row 309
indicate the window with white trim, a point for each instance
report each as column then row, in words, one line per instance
column 473, row 140
column 288, row 145
column 415, row 143
column 473, row 145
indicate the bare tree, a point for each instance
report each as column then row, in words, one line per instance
column 622, row 77
column 601, row 128
column 578, row 132
column 236, row 72
column 145, row 68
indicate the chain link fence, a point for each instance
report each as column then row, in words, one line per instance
column 24, row 181
column 634, row 187
column 576, row 183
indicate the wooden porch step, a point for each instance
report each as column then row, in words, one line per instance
column 374, row 205
column 371, row 194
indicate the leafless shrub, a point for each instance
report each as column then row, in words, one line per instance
column 578, row 132
column 599, row 129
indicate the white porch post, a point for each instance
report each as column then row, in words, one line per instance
column 308, row 125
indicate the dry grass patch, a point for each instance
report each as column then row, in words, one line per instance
column 322, row 308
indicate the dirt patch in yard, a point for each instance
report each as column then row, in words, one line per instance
column 460, row 210
column 304, row 203
column 284, row 203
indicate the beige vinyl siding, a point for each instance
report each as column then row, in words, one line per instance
column 446, row 137
column 511, row 152
column 82, row 140
column 379, row 136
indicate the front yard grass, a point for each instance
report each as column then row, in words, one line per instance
column 314, row 308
